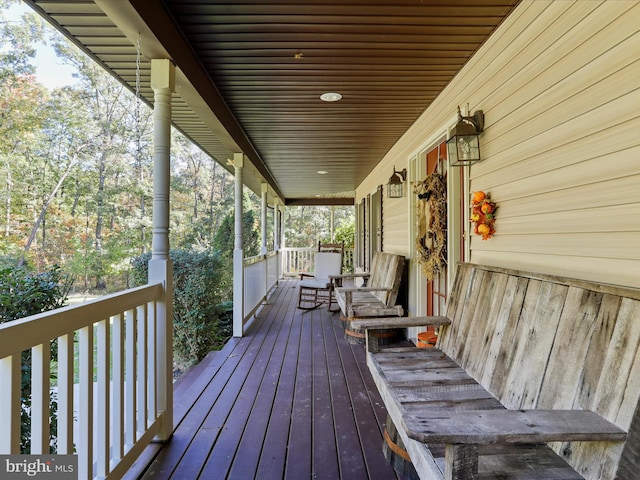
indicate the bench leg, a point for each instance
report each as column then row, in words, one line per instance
column 461, row 462
column 373, row 342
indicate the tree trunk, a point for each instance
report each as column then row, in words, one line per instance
column 100, row 282
column 7, row 205
column 46, row 204
column 76, row 199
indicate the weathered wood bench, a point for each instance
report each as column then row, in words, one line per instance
column 522, row 359
column 378, row 297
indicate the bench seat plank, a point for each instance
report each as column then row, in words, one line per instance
column 509, row 426
column 427, row 372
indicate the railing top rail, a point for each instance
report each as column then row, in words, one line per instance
column 27, row 332
column 259, row 258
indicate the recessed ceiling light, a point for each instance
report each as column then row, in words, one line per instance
column 322, row 172
column 330, row 97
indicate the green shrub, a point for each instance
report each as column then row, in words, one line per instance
column 201, row 320
column 345, row 234
column 24, row 293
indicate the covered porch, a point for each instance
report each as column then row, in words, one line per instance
column 290, row 399
column 556, row 82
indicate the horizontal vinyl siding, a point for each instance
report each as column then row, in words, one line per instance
column 395, row 213
column 561, row 150
column 559, row 86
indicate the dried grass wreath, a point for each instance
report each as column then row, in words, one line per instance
column 431, row 242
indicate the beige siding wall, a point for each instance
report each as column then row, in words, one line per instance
column 559, row 83
column 396, row 217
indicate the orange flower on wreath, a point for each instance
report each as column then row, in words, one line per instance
column 483, row 215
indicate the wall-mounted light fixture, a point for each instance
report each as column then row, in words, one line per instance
column 395, row 187
column 463, row 147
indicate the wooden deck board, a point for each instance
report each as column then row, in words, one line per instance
column 300, row 446
column 368, row 411
column 347, row 440
column 232, row 416
column 252, row 442
column 291, row 399
column 186, row 437
column 272, row 461
column 325, row 459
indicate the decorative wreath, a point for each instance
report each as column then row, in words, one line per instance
column 431, row 242
column 483, row 215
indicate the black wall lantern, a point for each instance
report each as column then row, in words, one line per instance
column 395, row 187
column 463, row 148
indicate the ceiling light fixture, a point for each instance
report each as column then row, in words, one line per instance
column 330, row 97
column 322, row 172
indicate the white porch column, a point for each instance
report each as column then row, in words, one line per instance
column 332, row 230
column 263, row 220
column 276, row 225
column 238, row 255
column 160, row 268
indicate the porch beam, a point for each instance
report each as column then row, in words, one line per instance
column 319, row 202
column 238, row 256
column 160, row 267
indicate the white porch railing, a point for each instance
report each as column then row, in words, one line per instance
column 302, row 260
column 117, row 363
column 297, row 260
column 261, row 274
column 115, row 368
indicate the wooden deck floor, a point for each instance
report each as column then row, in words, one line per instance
column 290, row 400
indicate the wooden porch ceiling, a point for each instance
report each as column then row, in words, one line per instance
column 291, row 400
column 251, row 73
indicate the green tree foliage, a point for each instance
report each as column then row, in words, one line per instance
column 17, row 43
column 24, row 293
column 105, row 180
column 204, row 191
column 21, row 111
column 76, row 164
column 305, row 225
column 345, row 234
column 201, row 319
column 224, row 239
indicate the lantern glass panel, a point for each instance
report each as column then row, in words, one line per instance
column 463, row 150
column 395, row 190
